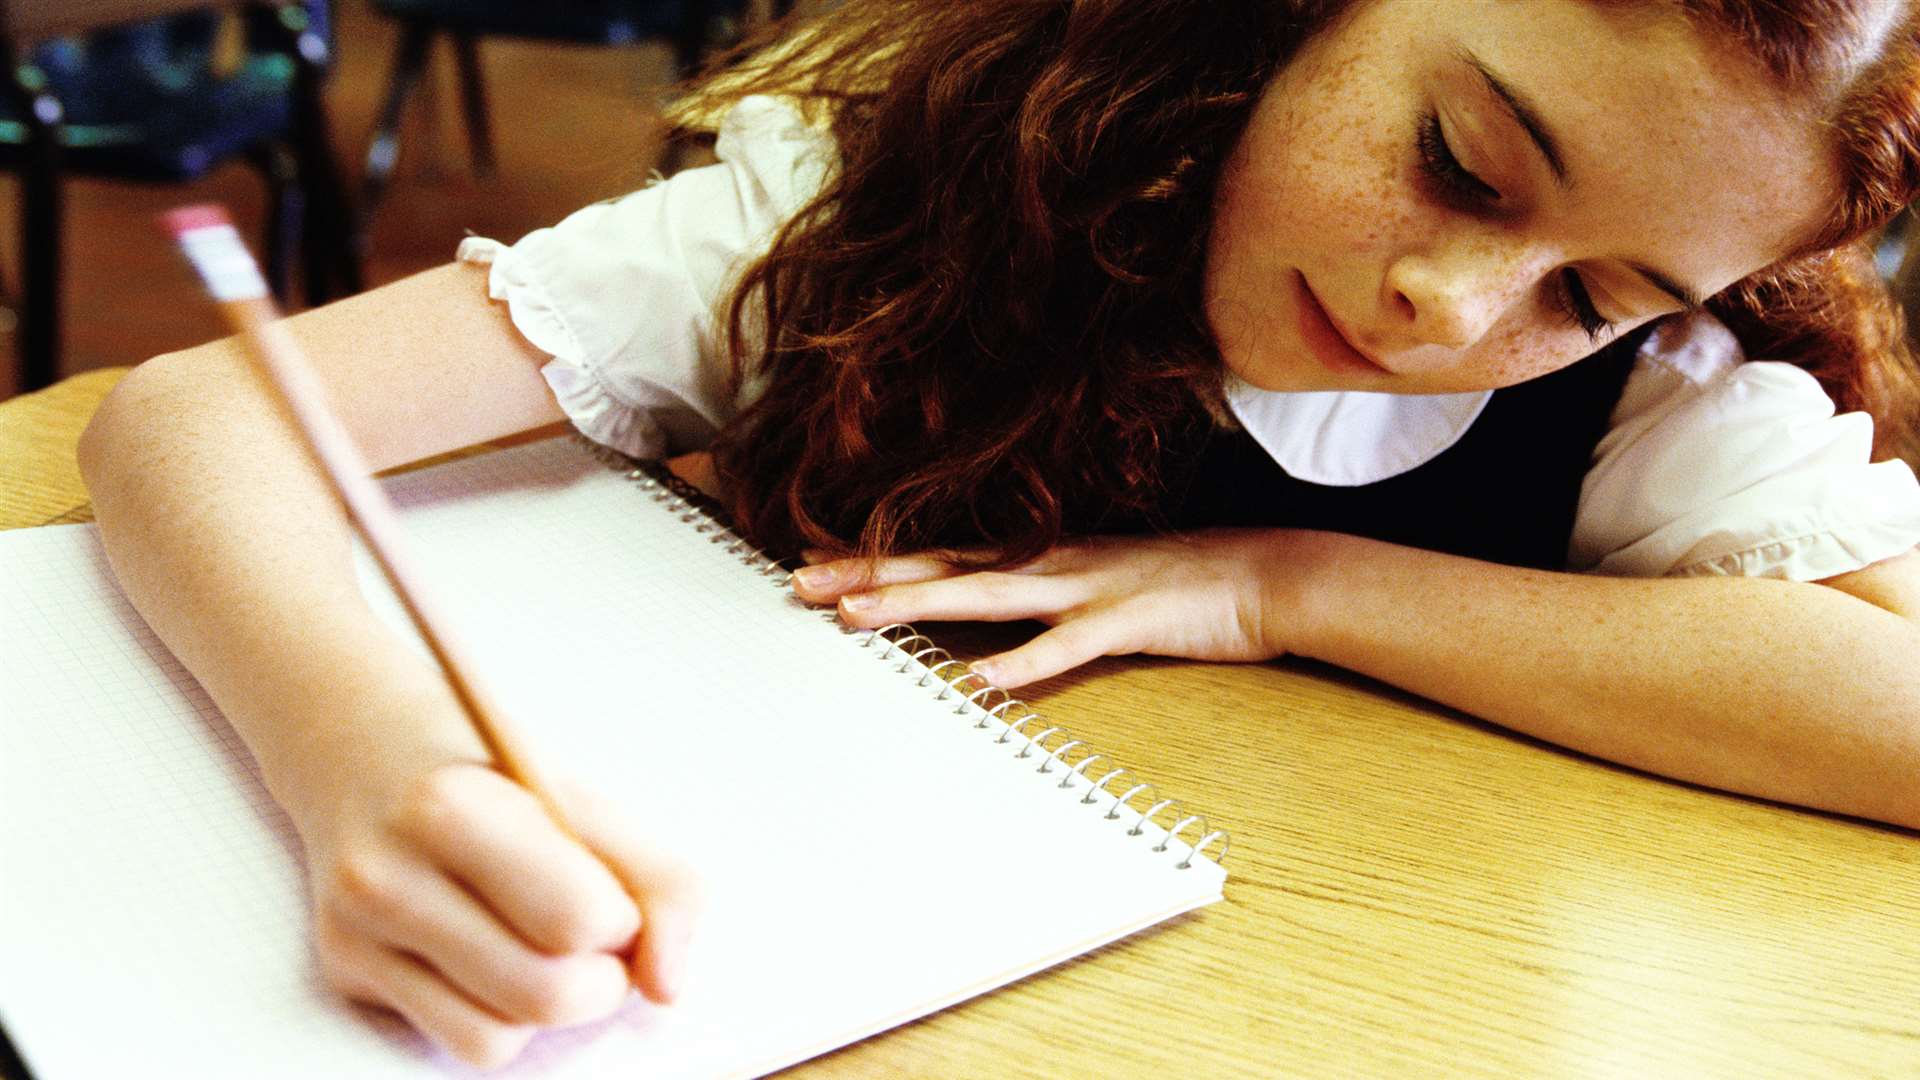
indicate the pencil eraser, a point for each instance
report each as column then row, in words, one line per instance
column 215, row 249
column 184, row 219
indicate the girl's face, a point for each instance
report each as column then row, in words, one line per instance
column 1448, row 195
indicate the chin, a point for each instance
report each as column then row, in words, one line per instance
column 1277, row 375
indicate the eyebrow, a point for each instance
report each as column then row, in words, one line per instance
column 1523, row 113
column 1688, row 298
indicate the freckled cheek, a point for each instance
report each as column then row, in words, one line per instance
column 1362, row 195
column 1518, row 357
column 1334, row 221
column 1343, row 194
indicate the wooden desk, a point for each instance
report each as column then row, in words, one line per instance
column 1413, row 893
column 39, row 482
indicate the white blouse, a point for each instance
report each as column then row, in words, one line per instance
column 1710, row 465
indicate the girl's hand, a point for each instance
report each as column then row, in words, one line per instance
column 454, row 899
column 1211, row 595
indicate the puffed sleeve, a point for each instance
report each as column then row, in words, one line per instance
column 1716, row 466
column 627, row 295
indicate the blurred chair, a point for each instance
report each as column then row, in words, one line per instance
column 688, row 25
column 133, row 90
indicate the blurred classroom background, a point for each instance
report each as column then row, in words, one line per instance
column 571, row 124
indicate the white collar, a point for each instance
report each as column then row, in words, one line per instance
column 1345, row 438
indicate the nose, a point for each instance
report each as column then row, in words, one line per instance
column 1452, row 295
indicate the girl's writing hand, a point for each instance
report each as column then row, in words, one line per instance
column 457, row 902
column 1207, row 595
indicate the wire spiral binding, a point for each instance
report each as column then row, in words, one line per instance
column 978, row 697
column 974, row 693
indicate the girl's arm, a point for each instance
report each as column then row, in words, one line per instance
column 1800, row 692
column 1804, row 692
column 440, row 889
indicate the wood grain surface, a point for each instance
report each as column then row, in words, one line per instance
column 1412, row 892
column 39, row 482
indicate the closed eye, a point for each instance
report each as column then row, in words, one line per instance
column 1452, row 181
column 1570, row 295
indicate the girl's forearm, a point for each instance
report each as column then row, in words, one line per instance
column 227, row 542
column 225, row 536
column 1784, row 690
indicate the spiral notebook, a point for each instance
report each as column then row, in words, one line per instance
column 881, row 834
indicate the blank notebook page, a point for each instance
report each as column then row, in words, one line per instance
column 870, row 854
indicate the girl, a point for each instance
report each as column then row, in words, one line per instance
column 1215, row 329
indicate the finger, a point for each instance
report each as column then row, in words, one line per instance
column 442, row 1014
column 380, row 976
column 417, row 910
column 665, row 887
column 1059, row 649
column 827, row 581
column 990, row 596
column 499, row 841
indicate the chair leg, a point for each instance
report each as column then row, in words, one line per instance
column 330, row 244
column 689, row 49
column 331, row 241
column 383, row 152
column 690, row 43
column 473, row 102
column 40, row 212
column 344, row 242
column 286, row 208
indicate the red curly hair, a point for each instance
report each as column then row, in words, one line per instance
column 989, row 324
column 1827, row 309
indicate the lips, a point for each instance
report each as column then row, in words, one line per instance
column 1329, row 344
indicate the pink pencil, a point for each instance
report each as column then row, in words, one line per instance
column 214, row 248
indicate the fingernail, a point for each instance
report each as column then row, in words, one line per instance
column 814, row 577
column 859, row 601
column 986, row 671
column 671, row 962
column 672, row 971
